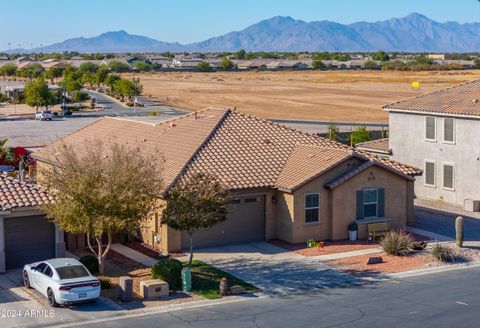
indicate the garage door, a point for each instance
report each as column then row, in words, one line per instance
column 28, row 239
column 245, row 224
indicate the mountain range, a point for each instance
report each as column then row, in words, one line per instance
column 413, row 33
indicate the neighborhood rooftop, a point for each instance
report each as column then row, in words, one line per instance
column 243, row 151
column 15, row 193
column 459, row 100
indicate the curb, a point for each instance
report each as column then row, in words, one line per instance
column 439, row 269
column 125, row 314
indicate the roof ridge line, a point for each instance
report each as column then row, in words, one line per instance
column 430, row 93
column 197, row 150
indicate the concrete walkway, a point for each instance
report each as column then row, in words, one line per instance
column 134, row 255
column 342, row 255
column 429, row 234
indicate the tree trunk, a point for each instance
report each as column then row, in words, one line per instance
column 100, row 254
column 191, row 251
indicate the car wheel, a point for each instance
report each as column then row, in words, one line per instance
column 26, row 281
column 51, row 298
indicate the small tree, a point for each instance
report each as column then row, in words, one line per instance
column 37, row 94
column 317, row 64
column 359, row 134
column 198, row 202
column 381, row 56
column 101, row 75
column 8, row 70
column 102, row 190
column 226, row 64
column 204, row 66
column 333, row 132
column 5, row 151
column 118, row 66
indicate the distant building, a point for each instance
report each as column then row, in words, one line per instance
column 436, row 56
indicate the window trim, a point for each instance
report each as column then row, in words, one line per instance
column 434, row 174
column 453, row 130
column 365, row 203
column 434, row 127
column 443, row 176
column 310, row 208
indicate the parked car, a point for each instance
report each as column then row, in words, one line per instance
column 44, row 115
column 63, row 281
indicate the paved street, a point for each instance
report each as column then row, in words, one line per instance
column 448, row 299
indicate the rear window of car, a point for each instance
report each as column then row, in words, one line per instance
column 47, row 112
column 72, row 272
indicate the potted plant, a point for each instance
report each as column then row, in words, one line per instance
column 352, row 231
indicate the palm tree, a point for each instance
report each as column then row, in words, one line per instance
column 5, row 152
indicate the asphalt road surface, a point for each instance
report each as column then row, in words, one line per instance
column 448, row 299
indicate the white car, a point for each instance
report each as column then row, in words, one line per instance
column 44, row 115
column 63, row 281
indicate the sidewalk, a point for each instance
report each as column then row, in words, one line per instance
column 439, row 206
column 134, row 255
column 336, row 256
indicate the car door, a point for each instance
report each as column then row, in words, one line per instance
column 45, row 280
column 37, row 275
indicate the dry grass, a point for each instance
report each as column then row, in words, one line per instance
column 346, row 96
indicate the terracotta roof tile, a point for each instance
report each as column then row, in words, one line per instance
column 379, row 146
column 243, row 151
column 461, row 99
column 14, row 194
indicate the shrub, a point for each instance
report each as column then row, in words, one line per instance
column 104, row 283
column 443, row 253
column 169, row 270
column 353, row 226
column 397, row 243
column 90, row 262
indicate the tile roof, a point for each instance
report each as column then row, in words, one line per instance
column 14, row 194
column 462, row 99
column 243, row 151
column 378, row 146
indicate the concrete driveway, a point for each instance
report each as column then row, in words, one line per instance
column 442, row 222
column 22, row 307
column 275, row 270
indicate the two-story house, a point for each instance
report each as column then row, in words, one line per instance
column 438, row 132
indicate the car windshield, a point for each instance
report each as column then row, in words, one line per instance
column 47, row 112
column 72, row 272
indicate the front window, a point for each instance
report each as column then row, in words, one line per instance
column 430, row 173
column 448, row 130
column 370, row 203
column 312, row 205
column 72, row 272
column 430, row 133
column 448, row 176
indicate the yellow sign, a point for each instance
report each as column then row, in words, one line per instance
column 415, row 84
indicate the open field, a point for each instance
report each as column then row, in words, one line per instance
column 343, row 96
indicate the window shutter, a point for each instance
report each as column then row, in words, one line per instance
column 381, row 202
column 360, row 204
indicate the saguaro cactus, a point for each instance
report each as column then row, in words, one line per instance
column 459, row 230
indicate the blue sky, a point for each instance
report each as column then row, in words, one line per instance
column 34, row 22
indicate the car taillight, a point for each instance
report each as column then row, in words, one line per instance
column 95, row 284
column 65, row 287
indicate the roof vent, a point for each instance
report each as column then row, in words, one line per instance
column 195, row 115
column 474, row 101
column 172, row 125
column 267, row 141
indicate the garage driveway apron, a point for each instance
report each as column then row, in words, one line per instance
column 274, row 270
column 34, row 309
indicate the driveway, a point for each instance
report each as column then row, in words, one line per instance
column 20, row 306
column 442, row 222
column 275, row 270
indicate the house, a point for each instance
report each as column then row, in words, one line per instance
column 26, row 235
column 286, row 65
column 436, row 56
column 252, row 64
column 287, row 184
column 438, row 131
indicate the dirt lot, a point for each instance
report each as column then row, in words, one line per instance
column 343, row 96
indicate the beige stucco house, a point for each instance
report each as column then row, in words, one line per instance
column 288, row 185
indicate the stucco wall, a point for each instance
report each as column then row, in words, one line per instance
column 407, row 141
column 344, row 200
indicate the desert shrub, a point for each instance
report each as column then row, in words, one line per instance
column 443, row 253
column 169, row 270
column 153, row 112
column 104, row 283
column 397, row 243
column 90, row 262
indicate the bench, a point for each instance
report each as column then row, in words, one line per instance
column 378, row 229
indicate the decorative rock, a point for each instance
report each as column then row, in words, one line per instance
column 237, row 290
column 374, row 260
column 419, row 245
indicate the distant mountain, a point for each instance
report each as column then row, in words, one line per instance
column 119, row 41
column 413, row 33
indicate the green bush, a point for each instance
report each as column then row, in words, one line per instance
column 169, row 270
column 78, row 96
column 104, row 283
column 397, row 243
column 90, row 262
column 443, row 253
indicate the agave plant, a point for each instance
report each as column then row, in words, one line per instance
column 5, row 151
